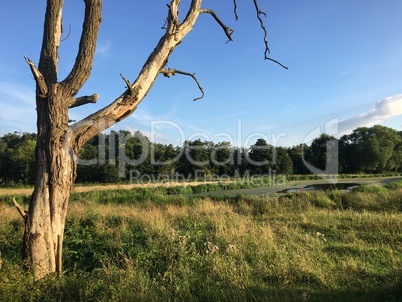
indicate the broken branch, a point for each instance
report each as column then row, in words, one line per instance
column 22, row 212
column 172, row 72
column 39, row 79
column 228, row 31
column 130, row 89
column 85, row 100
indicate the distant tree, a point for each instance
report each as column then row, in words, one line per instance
column 283, row 163
column 23, row 158
column 17, row 158
column 260, row 157
column 4, row 158
column 394, row 163
column 240, row 159
column 164, row 158
column 369, row 149
column 320, row 153
column 89, row 152
column 296, row 154
column 222, row 158
column 134, row 153
column 195, row 158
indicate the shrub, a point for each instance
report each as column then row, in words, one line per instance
column 395, row 185
column 369, row 189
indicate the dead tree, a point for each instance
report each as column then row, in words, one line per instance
column 58, row 142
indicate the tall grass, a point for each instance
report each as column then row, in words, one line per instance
column 310, row 246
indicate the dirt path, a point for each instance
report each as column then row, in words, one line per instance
column 28, row 191
column 291, row 184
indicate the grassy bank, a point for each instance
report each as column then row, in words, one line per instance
column 310, row 246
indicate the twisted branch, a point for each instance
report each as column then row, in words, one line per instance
column 264, row 29
column 172, row 72
column 228, row 31
column 259, row 13
column 235, row 10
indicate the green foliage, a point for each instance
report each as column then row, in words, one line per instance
column 371, row 150
column 119, row 156
column 320, row 151
column 373, row 198
column 395, row 185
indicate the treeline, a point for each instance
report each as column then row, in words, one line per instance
column 122, row 155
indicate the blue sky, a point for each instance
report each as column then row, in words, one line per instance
column 344, row 59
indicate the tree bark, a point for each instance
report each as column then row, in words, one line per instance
column 56, row 172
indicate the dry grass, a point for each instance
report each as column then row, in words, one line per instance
column 284, row 248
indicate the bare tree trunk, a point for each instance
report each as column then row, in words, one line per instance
column 56, row 171
column 57, row 148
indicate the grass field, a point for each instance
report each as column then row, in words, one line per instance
column 310, row 246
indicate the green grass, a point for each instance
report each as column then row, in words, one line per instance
column 310, row 246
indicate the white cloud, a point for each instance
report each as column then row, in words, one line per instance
column 103, row 49
column 142, row 117
column 384, row 109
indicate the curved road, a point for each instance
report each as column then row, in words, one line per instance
column 303, row 183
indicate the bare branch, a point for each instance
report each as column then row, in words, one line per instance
column 130, row 89
column 259, row 13
column 39, row 79
column 85, row 100
column 235, row 9
column 267, row 51
column 22, row 212
column 127, row 103
column 86, row 52
column 49, row 55
column 69, row 32
column 277, row 62
column 228, row 31
column 172, row 72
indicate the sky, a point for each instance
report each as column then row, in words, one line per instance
column 344, row 59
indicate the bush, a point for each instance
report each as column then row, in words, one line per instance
column 370, row 189
column 395, row 185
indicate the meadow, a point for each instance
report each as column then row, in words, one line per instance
column 154, row 245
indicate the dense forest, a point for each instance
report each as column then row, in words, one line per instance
column 120, row 156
